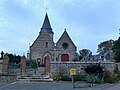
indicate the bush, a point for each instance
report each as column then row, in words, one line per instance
column 109, row 77
column 79, row 77
column 57, row 77
column 93, row 68
column 32, row 64
column 118, row 77
column 117, row 73
column 66, row 78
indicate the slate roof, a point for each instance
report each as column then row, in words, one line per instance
column 46, row 25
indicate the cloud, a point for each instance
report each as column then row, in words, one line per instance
column 88, row 22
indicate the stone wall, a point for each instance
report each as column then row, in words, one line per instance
column 64, row 67
column 8, row 78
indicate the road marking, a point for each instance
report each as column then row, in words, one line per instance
column 7, row 85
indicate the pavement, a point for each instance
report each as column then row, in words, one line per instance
column 56, row 86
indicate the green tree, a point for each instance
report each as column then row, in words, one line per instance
column 85, row 53
column 14, row 58
column 105, row 46
column 116, row 50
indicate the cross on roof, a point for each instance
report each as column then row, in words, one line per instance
column 46, row 9
column 119, row 31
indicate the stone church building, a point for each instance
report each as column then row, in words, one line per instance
column 44, row 48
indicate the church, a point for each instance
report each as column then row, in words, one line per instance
column 64, row 50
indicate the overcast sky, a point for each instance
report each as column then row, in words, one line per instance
column 88, row 22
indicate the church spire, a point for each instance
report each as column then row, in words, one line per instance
column 46, row 24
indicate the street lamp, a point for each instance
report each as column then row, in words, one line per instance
column 38, row 63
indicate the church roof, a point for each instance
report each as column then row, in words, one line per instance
column 46, row 24
column 64, row 36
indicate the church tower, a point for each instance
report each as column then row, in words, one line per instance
column 44, row 42
column 47, row 27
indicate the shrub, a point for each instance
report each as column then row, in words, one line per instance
column 66, row 78
column 32, row 64
column 79, row 77
column 117, row 76
column 109, row 77
column 117, row 73
column 57, row 77
column 93, row 68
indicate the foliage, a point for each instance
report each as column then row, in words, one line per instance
column 85, row 53
column 14, row 58
column 79, row 77
column 105, row 46
column 117, row 77
column 117, row 73
column 117, row 56
column 94, row 73
column 110, row 45
column 80, row 57
column 93, row 68
column 66, row 78
column 57, row 77
column 63, row 78
column 109, row 77
column 32, row 64
column 116, row 50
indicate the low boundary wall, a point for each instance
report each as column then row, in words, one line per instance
column 8, row 78
column 64, row 67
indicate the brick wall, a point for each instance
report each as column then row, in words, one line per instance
column 23, row 65
column 5, row 64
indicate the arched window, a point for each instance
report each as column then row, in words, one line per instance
column 64, row 57
column 46, row 45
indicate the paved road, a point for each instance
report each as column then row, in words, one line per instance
column 55, row 86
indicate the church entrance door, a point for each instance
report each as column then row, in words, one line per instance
column 47, row 65
column 64, row 57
